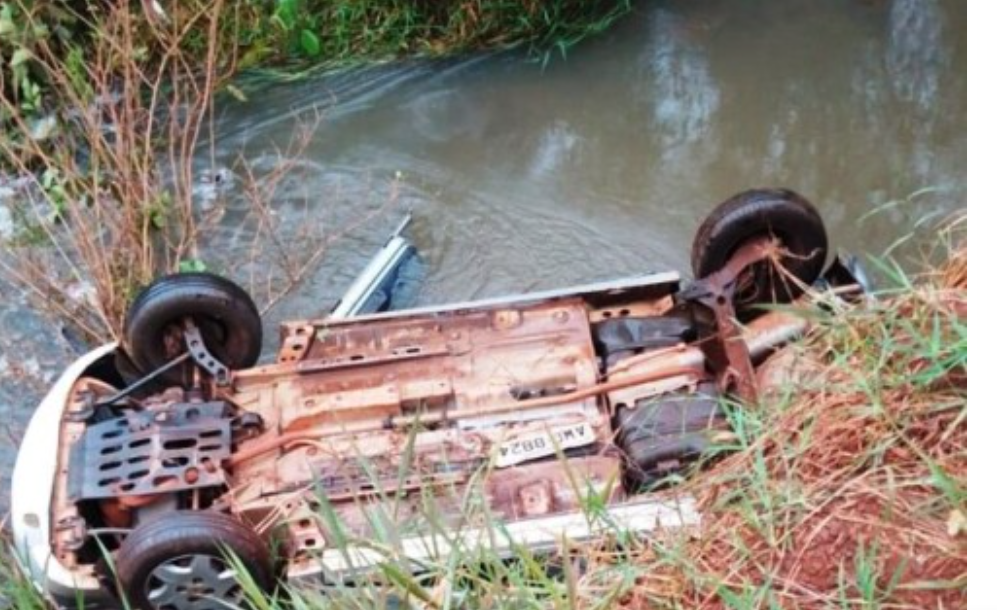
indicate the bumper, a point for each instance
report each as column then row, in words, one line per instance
column 539, row 535
column 31, row 495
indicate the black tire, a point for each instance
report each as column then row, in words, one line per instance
column 779, row 213
column 224, row 313
column 171, row 539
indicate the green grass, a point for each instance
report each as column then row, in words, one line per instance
column 15, row 590
column 294, row 36
column 364, row 30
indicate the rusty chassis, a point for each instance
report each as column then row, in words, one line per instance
column 521, row 407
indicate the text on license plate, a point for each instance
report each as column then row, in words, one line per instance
column 543, row 443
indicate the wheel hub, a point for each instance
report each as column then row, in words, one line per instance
column 193, row 582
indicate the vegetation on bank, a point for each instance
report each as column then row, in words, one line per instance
column 98, row 167
column 844, row 488
column 291, row 34
column 848, row 485
column 102, row 105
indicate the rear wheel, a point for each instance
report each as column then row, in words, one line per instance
column 781, row 215
column 226, row 316
column 178, row 562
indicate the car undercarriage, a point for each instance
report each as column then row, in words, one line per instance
column 526, row 407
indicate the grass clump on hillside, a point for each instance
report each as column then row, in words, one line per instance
column 380, row 29
column 849, row 489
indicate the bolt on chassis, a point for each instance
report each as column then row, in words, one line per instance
column 151, row 461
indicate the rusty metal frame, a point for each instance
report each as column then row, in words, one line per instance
column 717, row 291
column 347, row 400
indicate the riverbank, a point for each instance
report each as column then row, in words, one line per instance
column 287, row 36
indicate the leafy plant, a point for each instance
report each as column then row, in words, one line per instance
column 297, row 27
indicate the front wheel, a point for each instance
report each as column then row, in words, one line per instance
column 178, row 562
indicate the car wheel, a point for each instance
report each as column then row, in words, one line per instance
column 226, row 316
column 177, row 562
column 778, row 213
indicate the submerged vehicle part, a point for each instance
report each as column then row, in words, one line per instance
column 522, row 407
column 382, row 284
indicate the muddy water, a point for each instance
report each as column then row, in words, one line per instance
column 523, row 178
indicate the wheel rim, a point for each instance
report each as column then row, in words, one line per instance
column 193, row 582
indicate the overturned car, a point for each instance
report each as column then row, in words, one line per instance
column 161, row 455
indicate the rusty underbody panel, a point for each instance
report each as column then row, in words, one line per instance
column 518, row 409
column 374, row 410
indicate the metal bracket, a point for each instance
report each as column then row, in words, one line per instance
column 294, row 345
column 717, row 291
column 246, row 425
column 199, row 351
column 151, row 452
column 71, row 532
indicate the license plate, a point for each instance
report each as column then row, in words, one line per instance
column 543, row 443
